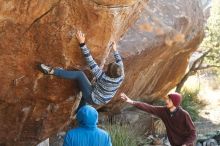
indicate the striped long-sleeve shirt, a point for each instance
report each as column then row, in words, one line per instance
column 105, row 87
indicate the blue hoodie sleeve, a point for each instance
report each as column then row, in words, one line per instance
column 67, row 141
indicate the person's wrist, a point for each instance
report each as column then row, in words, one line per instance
column 81, row 41
column 81, row 44
column 115, row 51
column 131, row 102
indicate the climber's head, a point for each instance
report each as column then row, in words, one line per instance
column 114, row 70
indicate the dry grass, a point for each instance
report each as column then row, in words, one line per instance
column 159, row 127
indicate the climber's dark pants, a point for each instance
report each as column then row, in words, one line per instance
column 84, row 84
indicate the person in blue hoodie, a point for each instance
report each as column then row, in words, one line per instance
column 87, row 133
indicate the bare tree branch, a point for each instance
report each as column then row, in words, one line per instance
column 208, row 66
column 197, row 65
column 199, row 59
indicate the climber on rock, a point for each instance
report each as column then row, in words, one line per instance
column 179, row 126
column 87, row 133
column 106, row 84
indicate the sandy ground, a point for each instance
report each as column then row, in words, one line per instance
column 212, row 110
column 209, row 121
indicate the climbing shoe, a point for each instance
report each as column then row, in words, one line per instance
column 46, row 69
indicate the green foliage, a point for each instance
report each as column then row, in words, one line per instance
column 212, row 38
column 191, row 103
column 122, row 135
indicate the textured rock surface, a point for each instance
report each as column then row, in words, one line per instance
column 34, row 106
column 157, row 47
column 155, row 50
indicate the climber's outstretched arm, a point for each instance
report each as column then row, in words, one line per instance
column 96, row 70
column 117, row 56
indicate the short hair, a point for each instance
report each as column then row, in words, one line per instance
column 114, row 70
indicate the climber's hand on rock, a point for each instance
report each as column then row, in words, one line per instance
column 126, row 98
column 114, row 46
column 80, row 37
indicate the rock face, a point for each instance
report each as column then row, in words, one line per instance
column 34, row 106
column 155, row 50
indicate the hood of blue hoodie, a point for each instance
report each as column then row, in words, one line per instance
column 87, row 117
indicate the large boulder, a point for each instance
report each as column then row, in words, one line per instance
column 34, row 106
column 156, row 49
